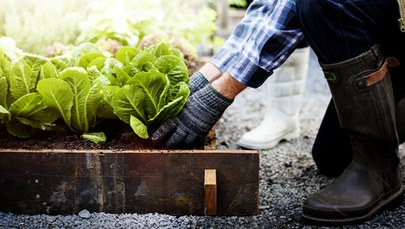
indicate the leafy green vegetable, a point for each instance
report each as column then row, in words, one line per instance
column 74, row 97
column 95, row 137
column 126, row 54
column 156, row 92
column 57, row 95
column 143, row 88
column 22, row 109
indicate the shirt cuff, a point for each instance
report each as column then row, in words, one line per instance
column 240, row 68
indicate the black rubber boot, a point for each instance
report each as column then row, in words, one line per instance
column 362, row 92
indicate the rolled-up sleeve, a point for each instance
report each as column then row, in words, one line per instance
column 261, row 42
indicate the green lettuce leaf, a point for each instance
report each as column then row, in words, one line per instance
column 95, row 137
column 79, row 83
column 153, row 84
column 129, row 100
column 18, row 129
column 88, row 59
column 57, row 95
column 125, row 54
column 3, row 92
column 20, row 79
column 4, row 114
column 138, row 127
column 173, row 67
column 177, row 99
column 48, row 70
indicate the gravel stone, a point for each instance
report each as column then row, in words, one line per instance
column 84, row 214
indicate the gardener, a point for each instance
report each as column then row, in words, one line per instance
column 352, row 40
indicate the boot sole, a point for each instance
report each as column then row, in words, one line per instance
column 392, row 202
column 267, row 145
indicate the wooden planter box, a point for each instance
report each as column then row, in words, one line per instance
column 176, row 182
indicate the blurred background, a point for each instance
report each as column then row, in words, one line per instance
column 48, row 27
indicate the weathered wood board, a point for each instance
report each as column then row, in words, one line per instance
column 170, row 182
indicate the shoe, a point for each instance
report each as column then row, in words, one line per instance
column 284, row 90
column 361, row 89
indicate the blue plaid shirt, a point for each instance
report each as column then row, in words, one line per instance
column 261, row 42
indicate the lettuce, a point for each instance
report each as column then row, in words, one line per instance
column 156, row 92
column 74, row 97
column 22, row 109
column 143, row 88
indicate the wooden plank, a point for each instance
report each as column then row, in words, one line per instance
column 210, row 192
column 170, row 182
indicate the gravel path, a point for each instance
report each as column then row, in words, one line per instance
column 287, row 176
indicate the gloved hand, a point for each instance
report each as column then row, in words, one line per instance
column 197, row 82
column 200, row 113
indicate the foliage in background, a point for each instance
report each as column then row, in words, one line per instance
column 38, row 24
column 238, row 3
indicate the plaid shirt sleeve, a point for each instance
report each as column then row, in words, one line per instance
column 261, row 42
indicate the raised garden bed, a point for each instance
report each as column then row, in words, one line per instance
column 63, row 174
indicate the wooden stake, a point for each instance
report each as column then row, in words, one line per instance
column 210, row 190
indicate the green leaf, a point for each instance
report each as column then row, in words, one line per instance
column 37, row 124
column 35, row 62
column 93, row 100
column 99, row 62
column 88, row 58
column 82, row 50
column 125, row 54
column 174, row 106
column 79, row 83
column 3, row 92
column 122, row 76
column 32, row 107
column 109, row 66
column 138, row 127
column 162, row 50
column 27, row 105
column 129, row 100
column 5, row 64
column 177, row 53
column 20, row 78
column 48, row 70
column 153, row 85
column 95, row 137
column 174, row 67
column 141, row 60
column 4, row 114
column 105, row 109
column 58, row 95
column 19, row 129
column 94, row 73
column 60, row 63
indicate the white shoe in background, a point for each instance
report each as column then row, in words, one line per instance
column 284, row 91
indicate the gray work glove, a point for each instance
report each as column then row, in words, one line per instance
column 200, row 113
column 197, row 82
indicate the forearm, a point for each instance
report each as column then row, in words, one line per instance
column 210, row 72
column 223, row 83
column 227, row 86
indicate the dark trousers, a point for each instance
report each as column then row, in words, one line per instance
column 338, row 30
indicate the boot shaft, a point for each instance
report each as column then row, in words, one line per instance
column 361, row 89
column 285, row 88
